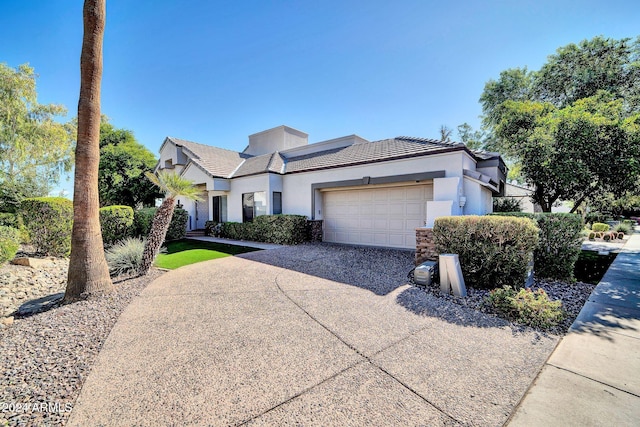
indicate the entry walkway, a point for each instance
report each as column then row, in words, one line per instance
column 593, row 376
column 250, row 244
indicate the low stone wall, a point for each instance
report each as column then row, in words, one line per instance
column 425, row 247
column 315, row 230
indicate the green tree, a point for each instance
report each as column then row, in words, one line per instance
column 172, row 186
column 474, row 139
column 123, row 164
column 565, row 124
column 88, row 270
column 445, row 133
column 572, row 152
column 35, row 149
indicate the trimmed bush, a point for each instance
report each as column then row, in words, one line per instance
column 280, row 229
column 493, row 251
column 9, row 243
column 49, row 221
column 116, row 223
column 178, row 225
column 560, row 243
column 15, row 221
column 142, row 219
column 527, row 307
column 213, row 228
column 600, row 227
column 506, row 204
column 125, row 256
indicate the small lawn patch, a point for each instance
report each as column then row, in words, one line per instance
column 186, row 251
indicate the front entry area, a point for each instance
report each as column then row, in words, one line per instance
column 375, row 216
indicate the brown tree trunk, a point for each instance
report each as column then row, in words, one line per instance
column 157, row 234
column 88, row 270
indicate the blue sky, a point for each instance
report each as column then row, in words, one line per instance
column 216, row 71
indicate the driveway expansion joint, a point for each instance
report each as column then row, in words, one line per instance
column 367, row 358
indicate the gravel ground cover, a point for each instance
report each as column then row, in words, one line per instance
column 45, row 358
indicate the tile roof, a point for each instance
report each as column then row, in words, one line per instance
column 265, row 163
column 386, row 149
column 218, row 162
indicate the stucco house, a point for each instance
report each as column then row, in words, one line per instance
column 365, row 192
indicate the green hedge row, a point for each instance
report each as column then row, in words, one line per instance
column 280, row 229
column 143, row 218
column 49, row 221
column 560, row 243
column 116, row 222
column 493, row 251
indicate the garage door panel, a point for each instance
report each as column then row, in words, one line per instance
column 375, row 216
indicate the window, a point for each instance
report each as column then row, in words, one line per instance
column 253, row 205
column 220, row 208
column 277, row 202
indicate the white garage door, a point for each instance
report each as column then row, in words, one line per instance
column 386, row 216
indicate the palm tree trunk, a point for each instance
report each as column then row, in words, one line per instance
column 157, row 234
column 88, row 270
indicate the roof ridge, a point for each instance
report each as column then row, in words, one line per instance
column 173, row 138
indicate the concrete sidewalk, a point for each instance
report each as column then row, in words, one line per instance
column 246, row 243
column 239, row 341
column 593, row 376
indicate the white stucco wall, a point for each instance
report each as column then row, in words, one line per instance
column 297, row 187
column 239, row 186
column 195, row 174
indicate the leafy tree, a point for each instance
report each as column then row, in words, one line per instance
column 173, row 186
column 570, row 126
column 474, row 139
column 35, row 149
column 123, row 163
column 572, row 152
column 88, row 269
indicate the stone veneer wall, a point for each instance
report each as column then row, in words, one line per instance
column 425, row 247
column 315, row 230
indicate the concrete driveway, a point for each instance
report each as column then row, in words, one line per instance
column 307, row 335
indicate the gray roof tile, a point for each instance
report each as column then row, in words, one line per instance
column 218, row 162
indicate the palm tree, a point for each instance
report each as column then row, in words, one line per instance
column 88, row 270
column 173, row 186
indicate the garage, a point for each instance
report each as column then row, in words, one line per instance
column 375, row 216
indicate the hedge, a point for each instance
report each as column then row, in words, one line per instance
column 9, row 243
column 178, row 225
column 116, row 223
column 143, row 218
column 560, row 243
column 49, row 221
column 280, row 229
column 493, row 251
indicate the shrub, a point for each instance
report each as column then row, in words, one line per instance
column 600, row 227
column 592, row 236
column 142, row 219
column 49, row 221
column 15, row 221
column 116, row 223
column 125, row 256
column 213, row 228
column 178, row 225
column 528, row 307
column 560, row 243
column 592, row 217
column 630, row 223
column 280, row 229
column 493, row 251
column 506, row 204
column 9, row 243
column 622, row 228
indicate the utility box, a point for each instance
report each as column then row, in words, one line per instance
column 426, row 273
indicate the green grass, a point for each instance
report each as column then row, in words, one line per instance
column 186, row 251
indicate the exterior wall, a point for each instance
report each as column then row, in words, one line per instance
column 247, row 184
column 275, row 184
column 276, row 139
column 297, row 197
column 524, row 195
column 195, row 174
column 425, row 247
